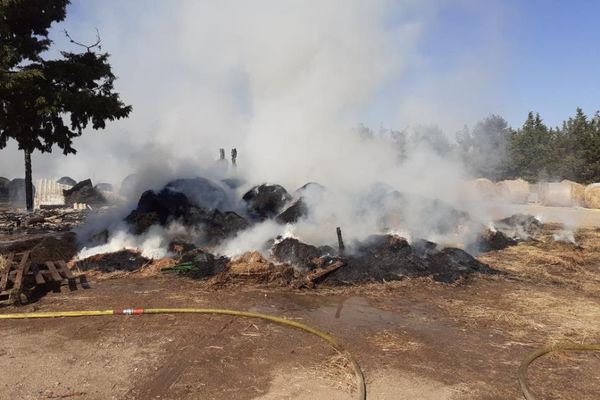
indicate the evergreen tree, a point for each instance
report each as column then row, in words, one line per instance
column 49, row 102
column 486, row 149
column 531, row 149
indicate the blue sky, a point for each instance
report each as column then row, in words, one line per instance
column 549, row 52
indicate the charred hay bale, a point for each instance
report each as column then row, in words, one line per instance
column 294, row 252
column 592, row 195
column 293, row 213
column 4, row 190
column 561, row 194
column 513, row 191
column 66, row 180
column 158, row 208
column 265, row 201
column 84, row 192
column 16, row 192
column 168, row 205
column 309, row 193
column 518, row 226
column 389, row 257
column 233, row 183
column 310, row 189
column 202, row 192
column 489, row 240
column 379, row 258
column 180, row 247
column 124, row 260
column 203, row 264
column 452, row 264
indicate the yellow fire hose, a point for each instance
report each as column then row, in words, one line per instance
column 360, row 379
column 538, row 353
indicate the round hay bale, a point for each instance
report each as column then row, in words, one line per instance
column 513, row 191
column 481, row 188
column 577, row 192
column 592, row 195
column 561, row 194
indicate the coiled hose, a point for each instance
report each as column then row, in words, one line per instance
column 538, row 353
column 360, row 379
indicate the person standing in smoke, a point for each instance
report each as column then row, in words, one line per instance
column 234, row 157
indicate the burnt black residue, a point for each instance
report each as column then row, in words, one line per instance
column 389, row 258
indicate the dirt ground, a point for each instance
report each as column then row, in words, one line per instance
column 415, row 339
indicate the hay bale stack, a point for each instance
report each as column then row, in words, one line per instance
column 513, row 191
column 481, row 188
column 592, row 195
column 561, row 194
column 577, row 192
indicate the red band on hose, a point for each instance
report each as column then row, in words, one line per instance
column 129, row 311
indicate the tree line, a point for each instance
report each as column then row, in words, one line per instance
column 535, row 152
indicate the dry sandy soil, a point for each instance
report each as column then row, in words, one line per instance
column 415, row 339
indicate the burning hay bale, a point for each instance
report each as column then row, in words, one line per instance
column 592, row 195
column 299, row 208
column 250, row 263
column 513, row 191
column 489, row 240
column 169, row 205
column 265, row 201
column 124, row 260
column 199, row 264
column 202, row 193
column 293, row 213
column 389, row 257
column 519, row 226
column 297, row 254
column 84, row 192
column 561, row 194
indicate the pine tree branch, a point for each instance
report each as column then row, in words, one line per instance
column 87, row 47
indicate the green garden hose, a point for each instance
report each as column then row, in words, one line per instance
column 360, row 380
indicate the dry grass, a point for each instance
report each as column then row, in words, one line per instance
column 337, row 371
column 548, row 261
column 554, row 294
column 393, row 342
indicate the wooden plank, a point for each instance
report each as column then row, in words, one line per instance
column 64, row 270
column 55, row 275
column 5, row 271
column 39, row 278
column 20, row 270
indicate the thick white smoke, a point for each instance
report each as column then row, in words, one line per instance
column 286, row 82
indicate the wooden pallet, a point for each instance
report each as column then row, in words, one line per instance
column 21, row 280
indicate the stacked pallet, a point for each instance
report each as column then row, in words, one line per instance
column 21, row 280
